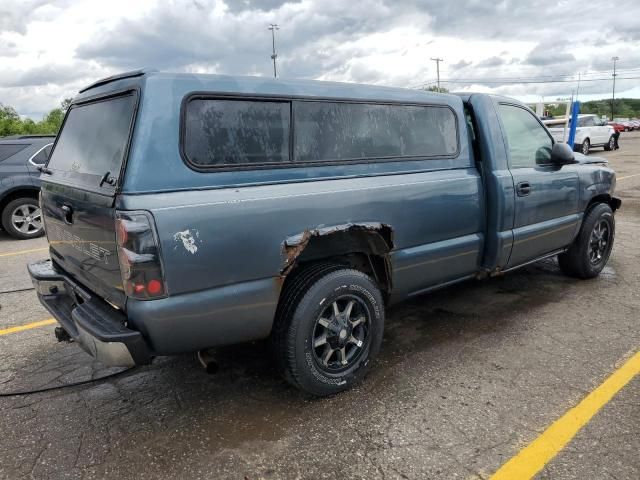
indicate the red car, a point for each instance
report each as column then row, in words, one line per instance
column 618, row 127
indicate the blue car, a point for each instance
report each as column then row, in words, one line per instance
column 20, row 157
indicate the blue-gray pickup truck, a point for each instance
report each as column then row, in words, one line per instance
column 188, row 211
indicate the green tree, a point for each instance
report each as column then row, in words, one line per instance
column 12, row 124
column 434, row 88
column 624, row 108
column 52, row 121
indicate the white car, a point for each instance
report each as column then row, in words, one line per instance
column 590, row 132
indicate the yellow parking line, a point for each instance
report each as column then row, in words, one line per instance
column 28, row 326
column 20, row 252
column 537, row 454
column 629, row 176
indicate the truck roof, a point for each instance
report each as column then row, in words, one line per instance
column 181, row 82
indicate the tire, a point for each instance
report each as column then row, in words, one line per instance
column 26, row 208
column 584, row 147
column 586, row 258
column 611, row 144
column 317, row 351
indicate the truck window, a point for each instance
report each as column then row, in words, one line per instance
column 93, row 140
column 473, row 139
column 529, row 143
column 327, row 131
column 236, row 132
column 42, row 156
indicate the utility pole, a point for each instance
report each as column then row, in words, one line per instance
column 613, row 94
column 273, row 27
column 438, row 60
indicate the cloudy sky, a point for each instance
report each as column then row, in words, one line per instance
column 49, row 50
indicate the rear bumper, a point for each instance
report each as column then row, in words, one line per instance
column 96, row 326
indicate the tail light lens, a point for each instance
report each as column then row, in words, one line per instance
column 44, row 226
column 139, row 256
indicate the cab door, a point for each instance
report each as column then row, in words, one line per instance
column 546, row 195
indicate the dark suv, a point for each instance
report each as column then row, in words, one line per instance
column 20, row 157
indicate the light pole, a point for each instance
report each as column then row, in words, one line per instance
column 438, row 60
column 273, row 27
column 613, row 93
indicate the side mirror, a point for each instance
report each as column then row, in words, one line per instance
column 562, row 154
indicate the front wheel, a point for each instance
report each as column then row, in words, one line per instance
column 329, row 329
column 590, row 251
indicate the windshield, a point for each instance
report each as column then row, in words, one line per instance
column 94, row 140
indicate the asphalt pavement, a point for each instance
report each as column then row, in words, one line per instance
column 467, row 377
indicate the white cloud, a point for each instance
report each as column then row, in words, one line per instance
column 48, row 50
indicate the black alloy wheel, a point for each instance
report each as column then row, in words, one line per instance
column 341, row 334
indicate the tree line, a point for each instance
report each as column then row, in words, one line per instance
column 12, row 124
column 623, row 108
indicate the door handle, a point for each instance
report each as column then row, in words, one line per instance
column 523, row 189
column 68, row 213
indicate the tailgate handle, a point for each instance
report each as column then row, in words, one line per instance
column 68, row 214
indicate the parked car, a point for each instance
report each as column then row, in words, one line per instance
column 189, row 211
column 591, row 132
column 635, row 124
column 628, row 125
column 20, row 157
column 618, row 127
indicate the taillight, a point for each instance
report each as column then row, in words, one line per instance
column 44, row 226
column 139, row 256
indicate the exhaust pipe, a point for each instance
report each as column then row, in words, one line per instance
column 62, row 335
column 208, row 361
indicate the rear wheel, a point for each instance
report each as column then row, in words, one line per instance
column 590, row 251
column 611, row 144
column 584, row 148
column 329, row 328
column 22, row 218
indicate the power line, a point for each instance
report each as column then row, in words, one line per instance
column 515, row 82
column 519, row 82
column 534, row 78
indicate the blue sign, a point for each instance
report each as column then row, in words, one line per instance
column 575, row 110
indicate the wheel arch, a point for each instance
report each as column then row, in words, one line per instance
column 17, row 192
column 364, row 246
column 613, row 202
